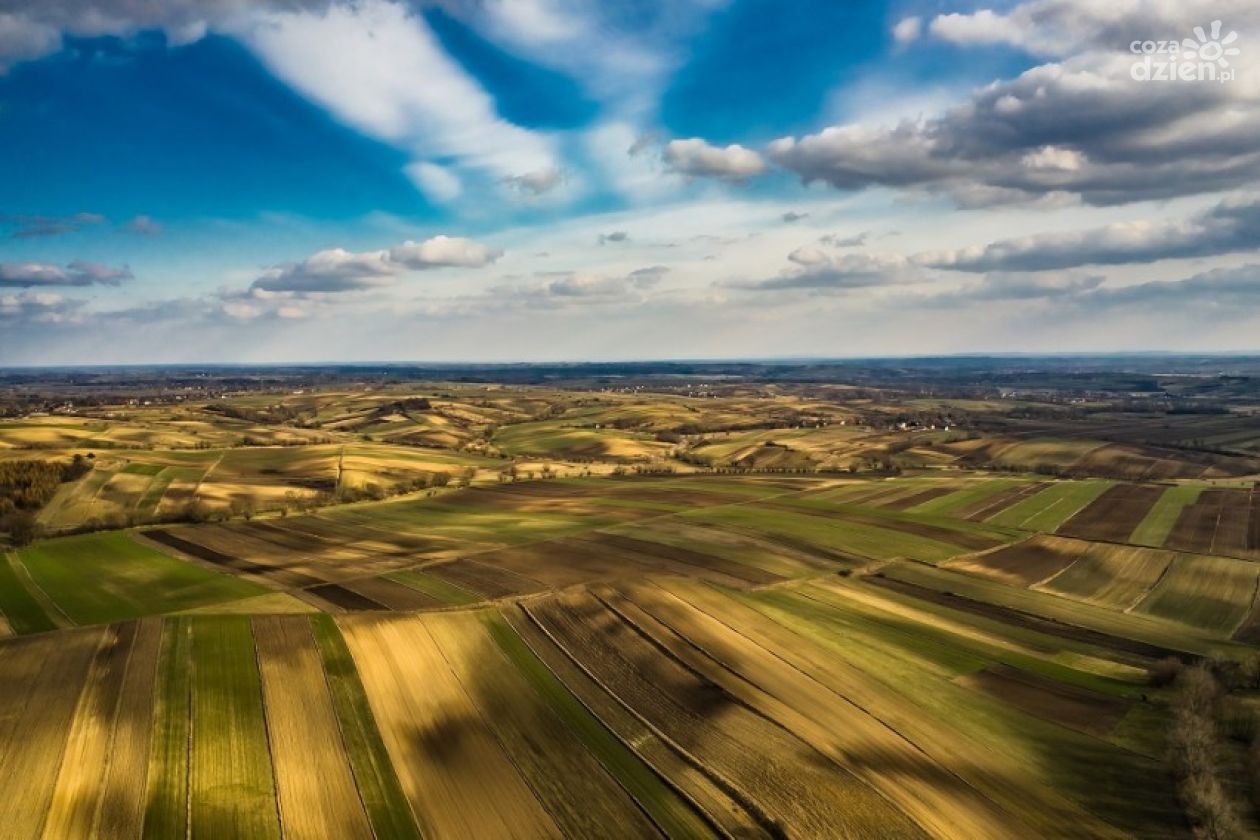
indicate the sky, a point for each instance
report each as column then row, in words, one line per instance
column 257, row 181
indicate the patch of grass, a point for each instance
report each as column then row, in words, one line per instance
column 23, row 611
column 444, row 591
column 383, row 797
column 667, row 809
column 152, row 497
column 952, row 503
column 232, row 791
column 1110, row 575
column 1047, row 510
column 100, row 578
column 166, row 806
column 140, row 468
column 1160, row 519
column 859, row 539
column 1212, row 593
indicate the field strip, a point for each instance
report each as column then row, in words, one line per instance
column 167, row 803
column 379, row 789
column 573, row 787
column 715, row 793
column 444, row 753
column 120, row 812
column 45, row 679
column 667, row 810
column 472, row 555
column 50, row 607
column 78, row 787
column 206, row 474
column 924, row 721
column 681, row 771
column 927, row 792
column 783, row 777
column 232, row 790
column 23, row 611
column 316, row 791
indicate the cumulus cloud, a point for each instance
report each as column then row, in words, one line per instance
column 330, row 271
column 907, row 30
column 1232, row 225
column 22, row 39
column 695, row 157
column 1224, row 290
column 144, row 225
column 30, row 226
column 615, row 236
column 821, row 272
column 1080, row 127
column 1063, row 27
column 793, row 216
column 835, row 240
column 538, row 182
column 38, row 307
column 338, row 270
column 443, row 251
column 558, row 289
column 27, row 275
column 1024, row 287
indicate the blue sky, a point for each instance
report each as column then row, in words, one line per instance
column 557, row 179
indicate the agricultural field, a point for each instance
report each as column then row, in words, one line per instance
column 594, row 613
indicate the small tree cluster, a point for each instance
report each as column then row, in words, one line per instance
column 1193, row 743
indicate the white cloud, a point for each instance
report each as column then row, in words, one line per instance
column 338, row 270
column 1233, row 225
column 695, row 157
column 440, row 251
column 819, row 272
column 628, row 159
column 380, row 68
column 436, row 182
column 27, row 275
column 1067, row 27
column 22, row 39
column 538, row 182
column 907, row 30
column 982, row 27
column 144, row 225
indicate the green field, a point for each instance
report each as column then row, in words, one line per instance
column 383, row 799
column 231, row 791
column 106, row 577
column 1158, row 523
column 23, row 611
column 1211, row 593
column 1050, row 508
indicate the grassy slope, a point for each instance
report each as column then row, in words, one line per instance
column 1050, row 508
column 1211, row 593
column 1160, row 519
column 383, row 797
column 663, row 805
column 444, row 591
column 107, row 577
column 1120, row 787
column 23, row 611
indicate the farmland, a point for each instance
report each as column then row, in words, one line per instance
column 473, row 610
